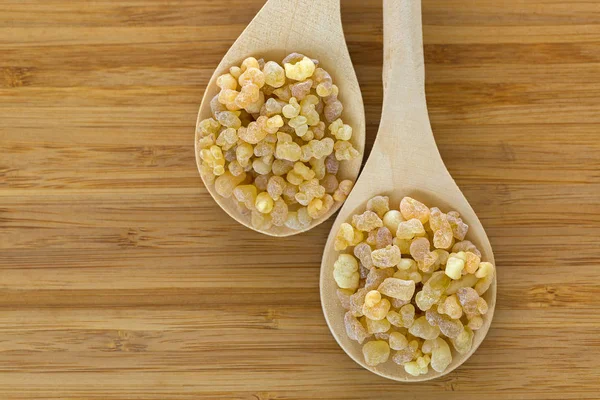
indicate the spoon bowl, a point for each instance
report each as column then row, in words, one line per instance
column 280, row 28
column 404, row 161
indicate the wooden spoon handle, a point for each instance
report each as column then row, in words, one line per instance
column 403, row 45
column 405, row 135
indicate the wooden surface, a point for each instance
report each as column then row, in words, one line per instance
column 122, row 279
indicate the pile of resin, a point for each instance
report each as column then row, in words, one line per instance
column 275, row 141
column 411, row 284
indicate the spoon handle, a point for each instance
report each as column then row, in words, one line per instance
column 403, row 43
column 405, row 134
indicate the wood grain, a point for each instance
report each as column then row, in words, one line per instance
column 121, row 279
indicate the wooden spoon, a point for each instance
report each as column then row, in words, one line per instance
column 311, row 28
column 404, row 161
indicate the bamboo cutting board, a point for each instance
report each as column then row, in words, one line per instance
column 121, row 279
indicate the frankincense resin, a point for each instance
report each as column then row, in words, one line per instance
column 411, row 285
column 275, row 141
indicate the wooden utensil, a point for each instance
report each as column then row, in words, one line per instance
column 404, row 161
column 314, row 29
